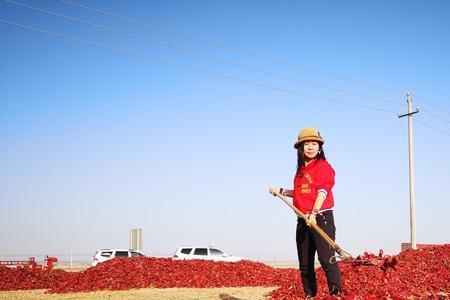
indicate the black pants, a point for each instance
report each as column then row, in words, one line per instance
column 308, row 242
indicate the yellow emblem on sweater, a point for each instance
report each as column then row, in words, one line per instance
column 309, row 178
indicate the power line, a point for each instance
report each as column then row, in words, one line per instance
column 431, row 127
column 436, row 116
column 146, row 57
column 204, row 41
column 431, row 104
column 167, row 45
column 208, row 42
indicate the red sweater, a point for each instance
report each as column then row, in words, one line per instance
column 317, row 176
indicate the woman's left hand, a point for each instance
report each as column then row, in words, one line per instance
column 311, row 219
column 274, row 191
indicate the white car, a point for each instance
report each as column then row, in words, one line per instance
column 107, row 254
column 204, row 252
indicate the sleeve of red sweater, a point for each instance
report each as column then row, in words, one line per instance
column 324, row 179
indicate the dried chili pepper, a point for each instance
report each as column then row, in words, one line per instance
column 422, row 273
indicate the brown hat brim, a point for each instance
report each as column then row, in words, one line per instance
column 309, row 138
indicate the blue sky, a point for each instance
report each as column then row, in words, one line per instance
column 95, row 142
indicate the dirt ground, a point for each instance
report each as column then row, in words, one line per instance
column 245, row 293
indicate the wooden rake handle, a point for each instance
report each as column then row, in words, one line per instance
column 319, row 230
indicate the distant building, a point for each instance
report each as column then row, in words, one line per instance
column 406, row 246
column 135, row 239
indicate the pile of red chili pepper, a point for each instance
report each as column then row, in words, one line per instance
column 31, row 278
column 145, row 272
column 422, row 273
column 416, row 274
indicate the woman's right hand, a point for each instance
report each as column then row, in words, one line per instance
column 274, row 191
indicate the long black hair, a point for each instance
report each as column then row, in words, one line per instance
column 301, row 155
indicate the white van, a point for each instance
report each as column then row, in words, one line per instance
column 107, row 254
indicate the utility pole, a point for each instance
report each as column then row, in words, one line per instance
column 412, row 210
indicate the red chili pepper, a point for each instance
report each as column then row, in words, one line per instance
column 422, row 273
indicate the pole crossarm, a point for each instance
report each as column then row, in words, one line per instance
column 408, row 114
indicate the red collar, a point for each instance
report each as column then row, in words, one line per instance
column 311, row 163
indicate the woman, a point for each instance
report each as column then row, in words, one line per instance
column 313, row 196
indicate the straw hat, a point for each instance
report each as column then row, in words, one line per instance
column 308, row 134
